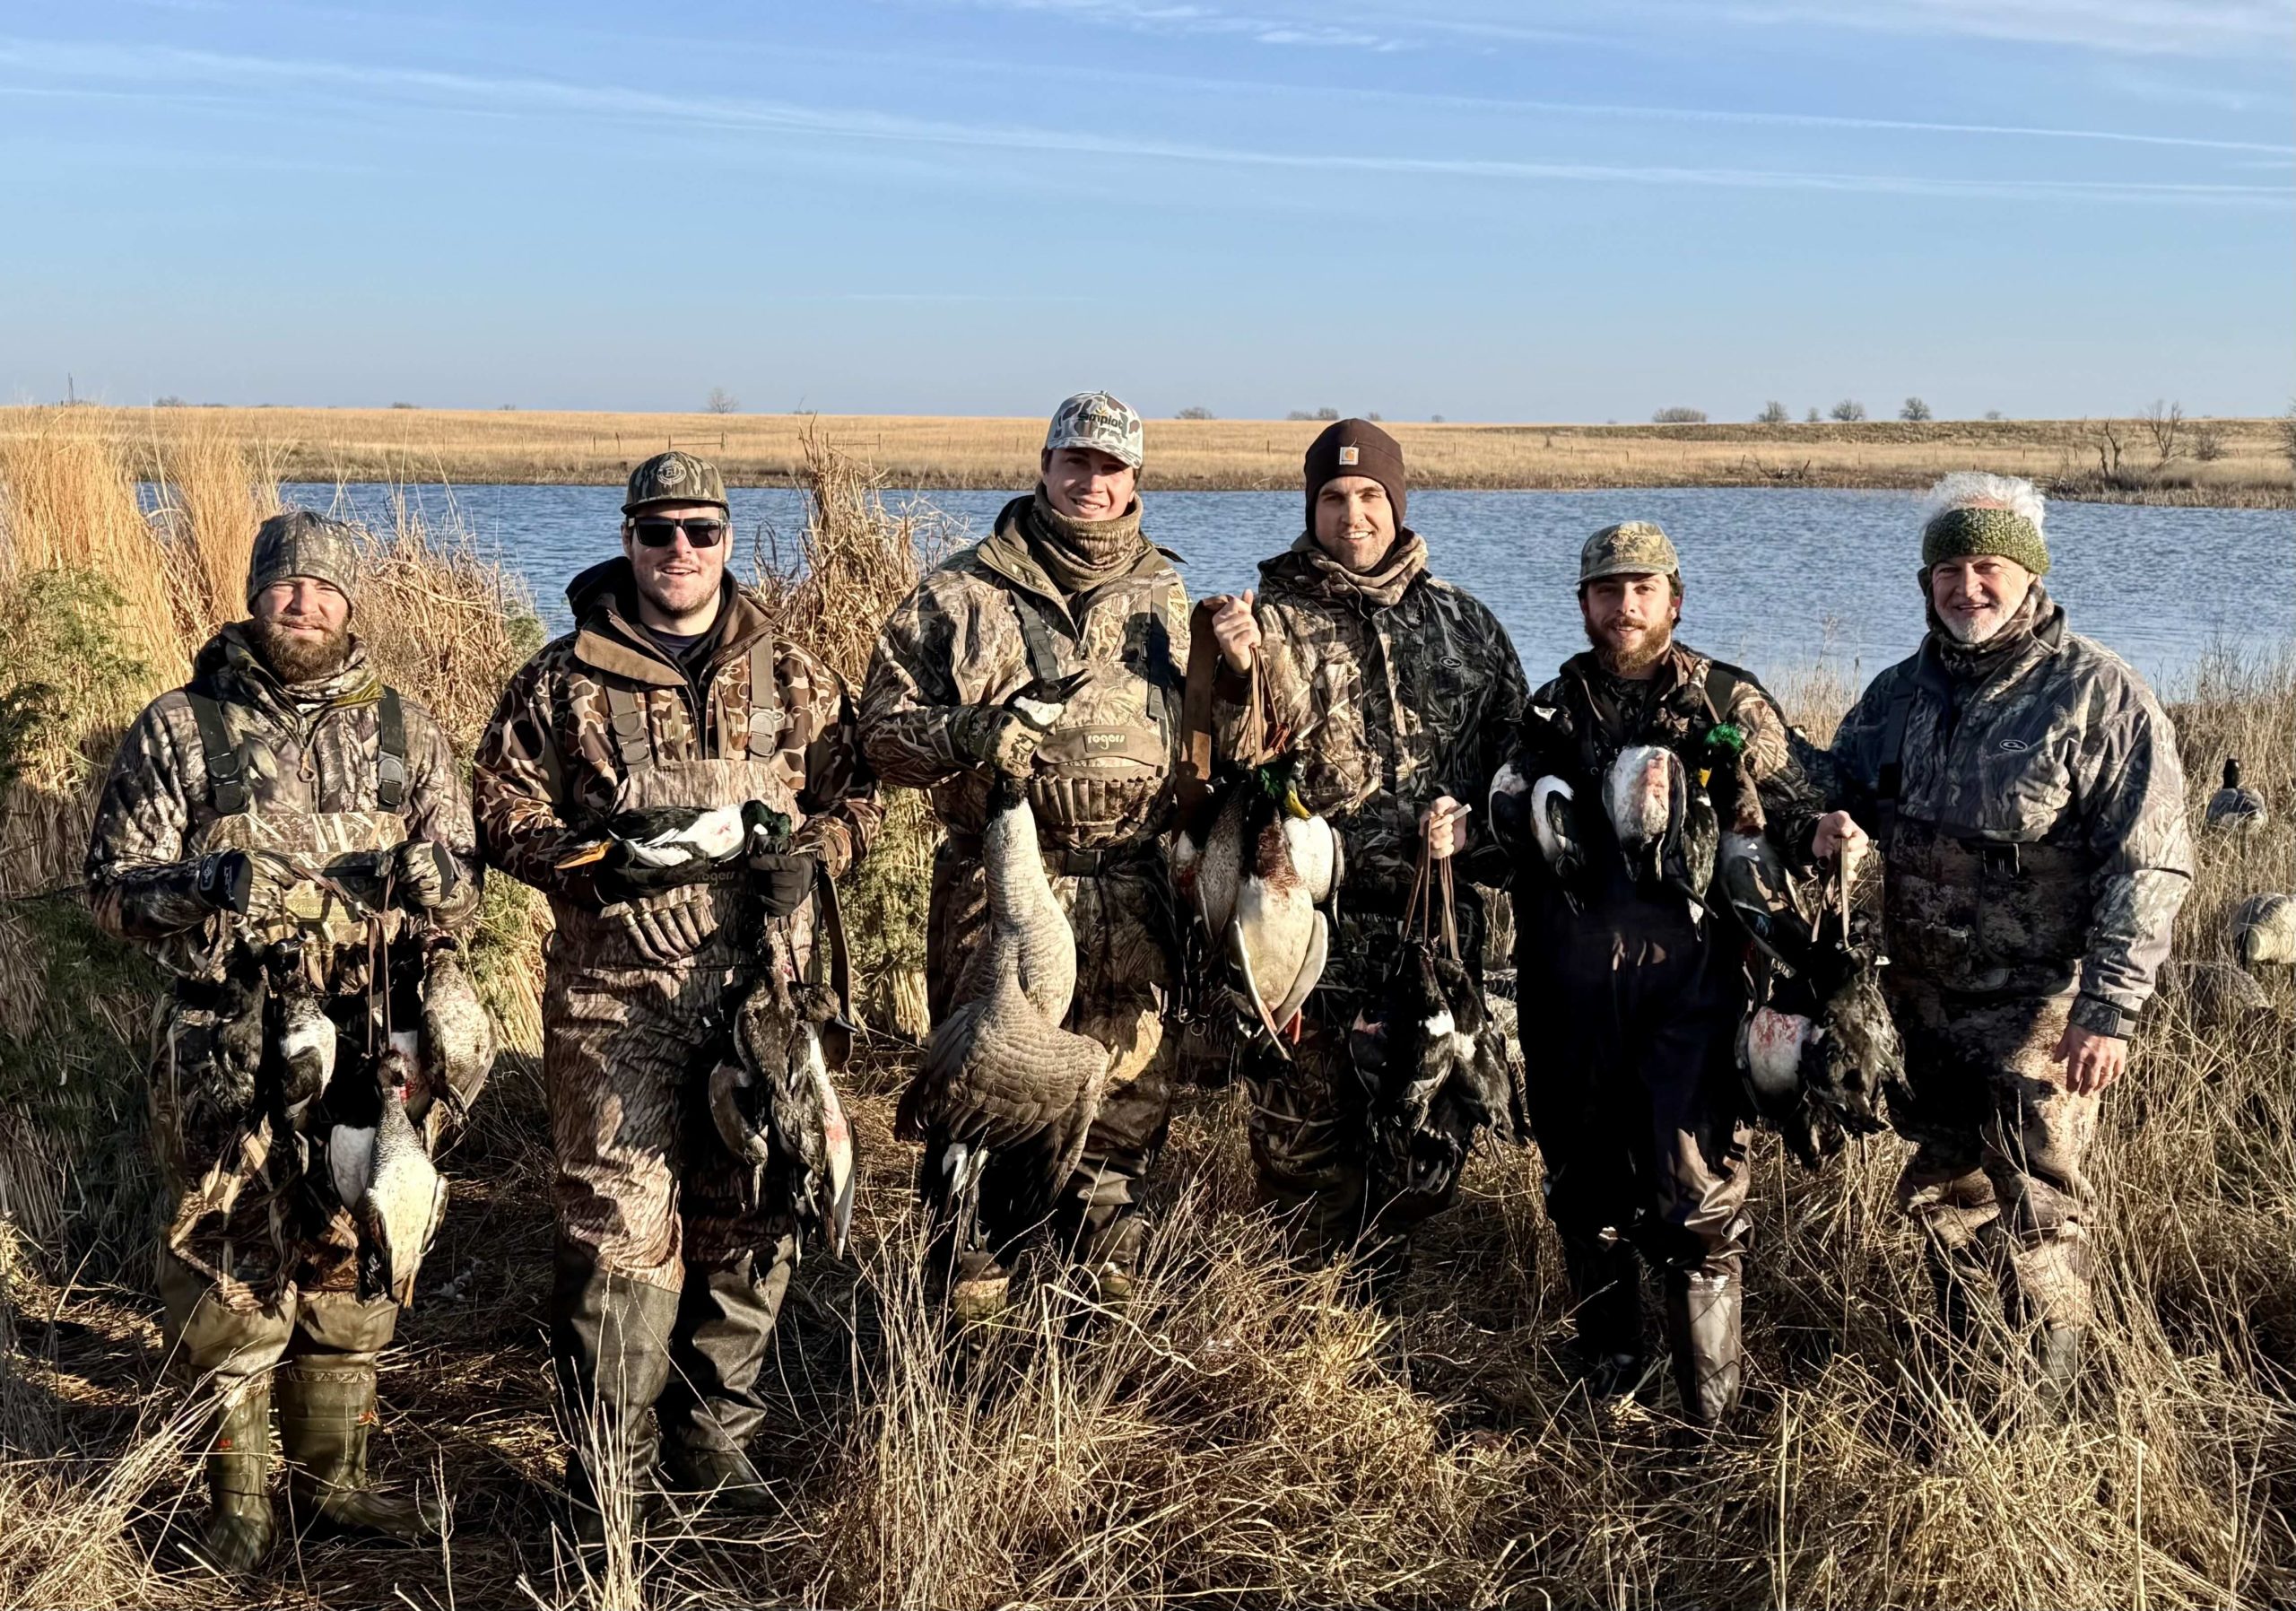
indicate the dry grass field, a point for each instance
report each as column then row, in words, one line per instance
column 1242, row 1434
column 2220, row 462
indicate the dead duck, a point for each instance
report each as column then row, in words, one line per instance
column 457, row 1043
column 999, row 1075
column 383, row 1174
column 2235, row 809
column 306, row 1047
column 1666, row 828
column 774, row 1098
column 2264, row 931
column 1257, row 869
column 665, row 837
column 1751, row 879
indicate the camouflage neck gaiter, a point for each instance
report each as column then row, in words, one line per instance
column 1384, row 585
column 1079, row 555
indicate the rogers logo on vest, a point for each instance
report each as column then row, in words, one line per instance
column 1105, row 741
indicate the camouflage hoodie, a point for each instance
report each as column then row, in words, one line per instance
column 549, row 766
column 1393, row 688
column 312, row 748
column 961, row 641
column 2040, row 834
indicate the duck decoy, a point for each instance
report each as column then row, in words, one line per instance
column 2236, row 809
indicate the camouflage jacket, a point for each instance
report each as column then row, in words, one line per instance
column 311, row 748
column 2039, row 825
column 963, row 641
column 549, row 766
column 1389, row 706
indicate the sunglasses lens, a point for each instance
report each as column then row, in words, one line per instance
column 700, row 531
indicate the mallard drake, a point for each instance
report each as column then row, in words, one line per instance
column 2233, row 809
column 384, row 1175
column 1000, row 1074
column 1257, row 869
column 2264, row 930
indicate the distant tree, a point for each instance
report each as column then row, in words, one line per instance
column 1373, row 416
column 2164, row 422
column 2287, row 424
column 1435, row 419
column 1196, row 411
column 1848, row 410
column 1679, row 416
column 721, row 401
column 405, row 405
column 169, row 401
column 1326, row 414
column 1811, row 418
column 1915, row 411
column 507, row 408
column 1992, row 414
column 1773, row 413
column 1320, row 414
column 2208, row 442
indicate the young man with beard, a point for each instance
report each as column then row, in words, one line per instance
column 1066, row 590
column 1396, row 694
column 238, row 810
column 2024, row 787
column 672, row 696
column 1630, row 988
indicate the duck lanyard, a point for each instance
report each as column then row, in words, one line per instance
column 1421, row 920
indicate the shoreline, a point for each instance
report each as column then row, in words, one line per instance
column 2232, row 464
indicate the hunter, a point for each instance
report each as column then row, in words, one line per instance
column 2024, row 789
column 673, row 696
column 1394, row 692
column 1632, row 978
column 1066, row 590
column 291, row 840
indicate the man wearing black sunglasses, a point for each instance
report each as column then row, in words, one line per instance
column 672, row 698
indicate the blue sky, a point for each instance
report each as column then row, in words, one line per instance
column 1583, row 210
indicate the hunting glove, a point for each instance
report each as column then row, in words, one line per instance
column 782, row 880
column 997, row 738
column 238, row 882
column 421, row 874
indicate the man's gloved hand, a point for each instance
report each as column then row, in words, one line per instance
column 421, row 874
column 782, row 879
column 998, row 737
column 227, row 881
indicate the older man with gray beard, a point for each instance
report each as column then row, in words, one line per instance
column 2025, row 789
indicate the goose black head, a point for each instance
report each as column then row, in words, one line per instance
column 2232, row 772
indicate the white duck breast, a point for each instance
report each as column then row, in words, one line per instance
column 306, row 1047
column 1645, row 793
column 1315, row 854
column 1772, row 1051
column 405, row 1200
column 712, row 836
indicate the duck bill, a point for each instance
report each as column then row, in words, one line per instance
column 582, row 857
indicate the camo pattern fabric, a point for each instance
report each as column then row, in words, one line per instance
column 643, row 1181
column 1389, row 706
column 2040, row 839
column 956, row 647
column 247, row 1216
column 1998, row 1141
column 550, row 773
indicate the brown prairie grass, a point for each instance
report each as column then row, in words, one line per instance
column 401, row 446
column 1243, row 1433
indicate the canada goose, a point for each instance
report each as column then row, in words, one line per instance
column 2233, row 809
column 2220, row 995
column 384, row 1175
column 775, row 1097
column 1000, row 1074
column 1263, row 865
column 2264, row 930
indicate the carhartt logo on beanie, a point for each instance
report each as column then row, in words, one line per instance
column 1355, row 448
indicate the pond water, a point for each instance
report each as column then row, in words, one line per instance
column 1777, row 579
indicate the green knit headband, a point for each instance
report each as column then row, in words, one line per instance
column 1959, row 534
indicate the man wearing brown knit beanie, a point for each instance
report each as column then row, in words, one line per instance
column 1392, row 693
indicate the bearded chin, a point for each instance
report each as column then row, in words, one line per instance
column 296, row 658
column 1626, row 663
column 1974, row 629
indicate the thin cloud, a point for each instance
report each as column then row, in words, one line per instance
column 507, row 97
column 2210, row 28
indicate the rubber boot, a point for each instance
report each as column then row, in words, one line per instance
column 711, row 1408
column 1702, row 1310
column 610, row 1345
column 327, row 1407
column 1606, row 1283
column 240, row 1529
column 2056, row 1356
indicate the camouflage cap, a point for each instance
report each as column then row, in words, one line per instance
column 1632, row 548
column 674, row 477
column 297, row 542
column 1095, row 420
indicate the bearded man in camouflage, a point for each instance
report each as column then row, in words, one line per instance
column 261, row 827
column 2025, row 789
column 1631, row 980
column 671, row 695
column 1066, row 589
column 1397, row 692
